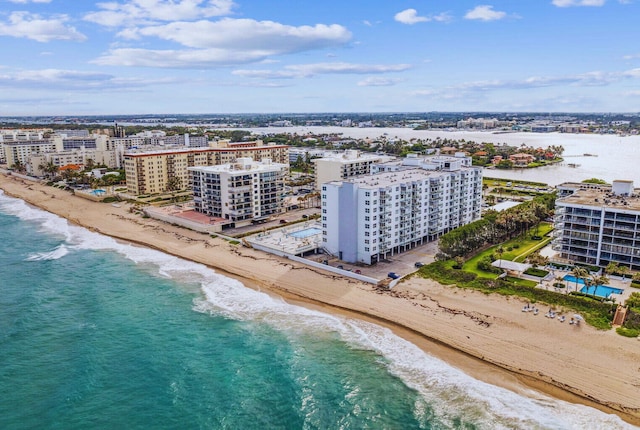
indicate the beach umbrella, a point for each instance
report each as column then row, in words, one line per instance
column 578, row 317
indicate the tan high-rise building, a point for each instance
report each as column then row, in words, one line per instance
column 151, row 172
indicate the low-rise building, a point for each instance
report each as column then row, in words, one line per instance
column 521, row 159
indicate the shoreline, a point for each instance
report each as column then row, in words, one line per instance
column 488, row 337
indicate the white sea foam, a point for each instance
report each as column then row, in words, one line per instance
column 55, row 254
column 449, row 391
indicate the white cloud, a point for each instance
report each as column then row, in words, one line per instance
column 310, row 70
column 224, row 42
column 589, row 79
column 569, row 3
column 33, row 26
column 194, row 58
column 29, row 1
column 409, row 16
column 60, row 79
column 442, row 17
column 485, row 13
column 378, row 82
column 246, row 34
column 137, row 12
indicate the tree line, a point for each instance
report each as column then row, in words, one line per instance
column 496, row 227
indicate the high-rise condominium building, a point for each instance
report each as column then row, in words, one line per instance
column 598, row 224
column 149, row 171
column 239, row 192
column 368, row 218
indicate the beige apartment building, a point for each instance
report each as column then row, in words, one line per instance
column 150, row 172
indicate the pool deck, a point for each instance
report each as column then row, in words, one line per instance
column 281, row 239
column 614, row 282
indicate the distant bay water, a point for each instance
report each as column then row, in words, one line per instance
column 611, row 157
column 99, row 334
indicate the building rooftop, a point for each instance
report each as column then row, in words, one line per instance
column 603, row 196
column 387, row 179
column 351, row 156
column 242, row 165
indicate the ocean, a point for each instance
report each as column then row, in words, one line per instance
column 100, row 334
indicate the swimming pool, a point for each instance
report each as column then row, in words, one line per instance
column 570, row 278
column 301, row 234
column 601, row 291
column 97, row 192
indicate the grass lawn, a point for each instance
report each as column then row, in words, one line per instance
column 520, row 282
column 520, row 247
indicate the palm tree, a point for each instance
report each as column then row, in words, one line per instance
column 579, row 273
column 19, row 166
column 49, row 169
column 500, row 251
column 598, row 281
column 612, row 268
column 623, row 271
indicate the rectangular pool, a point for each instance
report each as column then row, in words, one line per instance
column 301, row 234
column 570, row 278
column 601, row 291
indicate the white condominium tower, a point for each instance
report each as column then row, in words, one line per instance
column 239, row 192
column 369, row 218
column 598, row 224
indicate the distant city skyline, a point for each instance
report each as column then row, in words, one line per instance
column 69, row 57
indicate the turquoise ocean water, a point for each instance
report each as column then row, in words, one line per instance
column 97, row 334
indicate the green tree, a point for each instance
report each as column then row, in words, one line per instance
column 580, row 273
column 597, row 281
column 19, row 166
column 174, row 184
column 594, row 181
column 612, row 268
column 634, row 301
column 49, row 169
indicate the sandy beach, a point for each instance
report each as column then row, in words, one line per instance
column 487, row 336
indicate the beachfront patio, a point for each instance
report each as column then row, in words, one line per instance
column 296, row 239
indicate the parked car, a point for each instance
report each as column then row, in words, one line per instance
column 283, row 221
column 393, row 275
column 419, row 264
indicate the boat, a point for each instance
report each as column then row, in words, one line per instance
column 586, row 154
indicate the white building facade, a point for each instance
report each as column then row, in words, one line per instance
column 598, row 224
column 344, row 165
column 370, row 218
column 240, row 192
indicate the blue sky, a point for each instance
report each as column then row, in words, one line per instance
column 80, row 57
